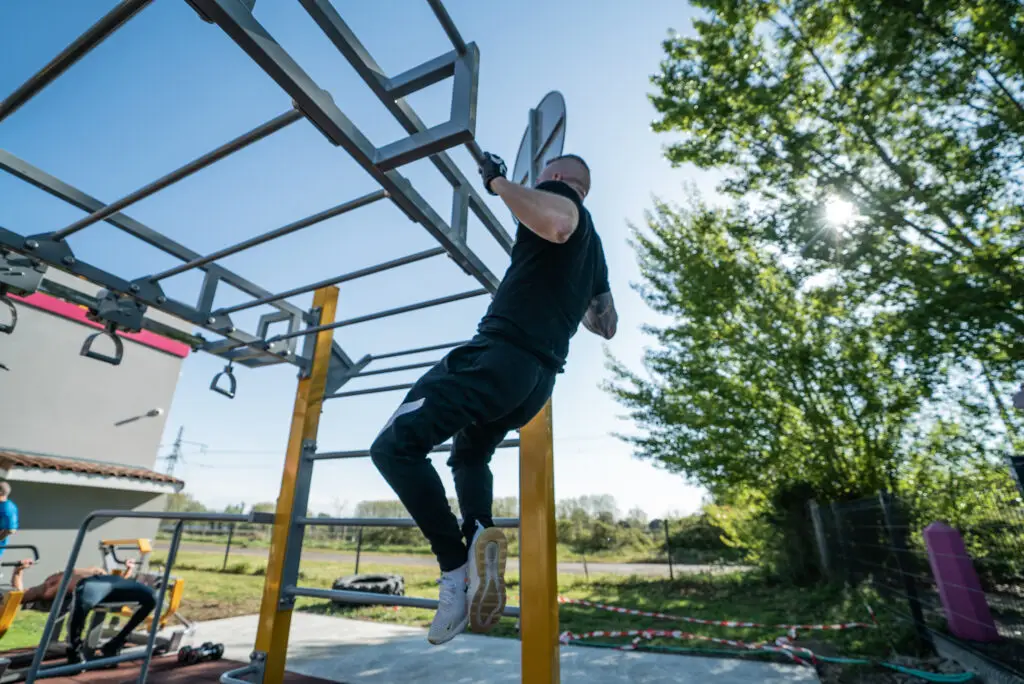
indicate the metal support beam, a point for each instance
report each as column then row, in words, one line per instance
column 96, row 34
column 368, row 599
column 396, row 369
column 418, row 350
column 337, row 280
column 275, row 613
column 507, row 523
column 538, row 564
column 338, row 210
column 370, row 390
column 448, row 25
column 372, row 74
column 364, row 453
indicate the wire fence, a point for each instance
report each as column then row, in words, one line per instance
column 971, row 593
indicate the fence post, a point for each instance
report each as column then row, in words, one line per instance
column 359, row 549
column 668, row 551
column 842, row 542
column 896, row 525
column 227, row 549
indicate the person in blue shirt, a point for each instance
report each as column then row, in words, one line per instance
column 8, row 515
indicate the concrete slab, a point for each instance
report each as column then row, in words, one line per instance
column 357, row 652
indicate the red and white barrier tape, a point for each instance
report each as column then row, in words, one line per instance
column 718, row 623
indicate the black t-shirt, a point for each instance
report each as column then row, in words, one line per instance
column 548, row 287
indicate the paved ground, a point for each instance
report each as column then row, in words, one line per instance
column 357, row 652
column 342, row 557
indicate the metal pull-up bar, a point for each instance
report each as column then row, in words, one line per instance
column 244, row 140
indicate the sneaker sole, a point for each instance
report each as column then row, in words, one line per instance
column 487, row 585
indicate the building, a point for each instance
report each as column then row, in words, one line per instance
column 77, row 434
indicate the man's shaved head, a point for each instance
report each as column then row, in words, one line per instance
column 571, row 170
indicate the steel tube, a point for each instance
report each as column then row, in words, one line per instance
column 99, row 663
column 172, row 555
column 96, row 34
column 396, row 369
column 363, row 319
column 369, row 270
column 343, row 208
column 509, row 523
column 366, row 598
column 363, row 453
column 448, row 25
column 244, row 140
column 419, row 350
column 369, row 390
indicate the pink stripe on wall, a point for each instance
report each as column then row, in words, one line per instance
column 73, row 312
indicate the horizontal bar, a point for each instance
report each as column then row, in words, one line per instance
column 448, row 25
column 368, row 317
column 345, row 207
column 440, row 449
column 134, row 654
column 396, row 369
column 370, row 390
column 253, row 517
column 368, row 599
column 244, row 140
column 422, row 76
column 419, row 350
column 370, row 270
column 508, row 523
column 96, row 34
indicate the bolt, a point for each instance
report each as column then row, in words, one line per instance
column 231, row 329
column 31, row 244
column 161, row 300
column 69, row 260
column 211, row 320
column 134, row 288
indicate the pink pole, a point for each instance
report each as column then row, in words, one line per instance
column 963, row 600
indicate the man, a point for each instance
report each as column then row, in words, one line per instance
column 89, row 587
column 8, row 515
column 497, row 382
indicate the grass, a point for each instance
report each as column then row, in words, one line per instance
column 565, row 554
column 211, row 593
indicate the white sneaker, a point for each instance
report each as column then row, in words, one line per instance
column 452, row 615
column 487, row 556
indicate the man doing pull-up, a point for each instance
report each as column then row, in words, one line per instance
column 497, row 382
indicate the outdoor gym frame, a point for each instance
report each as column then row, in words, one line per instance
column 324, row 367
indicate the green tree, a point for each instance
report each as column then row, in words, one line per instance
column 183, row 502
column 913, row 111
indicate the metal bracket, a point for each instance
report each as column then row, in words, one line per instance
column 229, row 373
column 122, row 312
column 111, row 332
column 19, row 274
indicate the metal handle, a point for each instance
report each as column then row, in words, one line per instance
column 8, row 328
column 110, row 332
column 30, row 547
column 232, row 382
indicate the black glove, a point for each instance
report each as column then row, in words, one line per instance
column 492, row 167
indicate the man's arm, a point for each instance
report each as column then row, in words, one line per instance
column 17, row 578
column 4, row 534
column 601, row 317
column 550, row 216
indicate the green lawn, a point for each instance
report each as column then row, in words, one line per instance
column 210, row 594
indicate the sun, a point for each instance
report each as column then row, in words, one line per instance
column 839, row 213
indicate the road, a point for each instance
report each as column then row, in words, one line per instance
column 345, row 558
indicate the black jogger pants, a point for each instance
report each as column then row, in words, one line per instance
column 476, row 394
column 93, row 591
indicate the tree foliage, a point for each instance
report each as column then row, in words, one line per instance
column 913, row 111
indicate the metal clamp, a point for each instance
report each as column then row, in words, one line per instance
column 229, row 373
column 8, row 328
column 111, row 332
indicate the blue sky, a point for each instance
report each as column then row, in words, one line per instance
column 168, row 87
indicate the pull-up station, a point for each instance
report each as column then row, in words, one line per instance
column 324, row 367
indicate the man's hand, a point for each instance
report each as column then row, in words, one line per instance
column 601, row 317
column 492, row 167
column 26, row 563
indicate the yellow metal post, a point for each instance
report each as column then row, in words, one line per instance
column 538, row 551
column 275, row 617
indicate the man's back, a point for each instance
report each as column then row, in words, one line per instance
column 548, row 287
column 8, row 519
